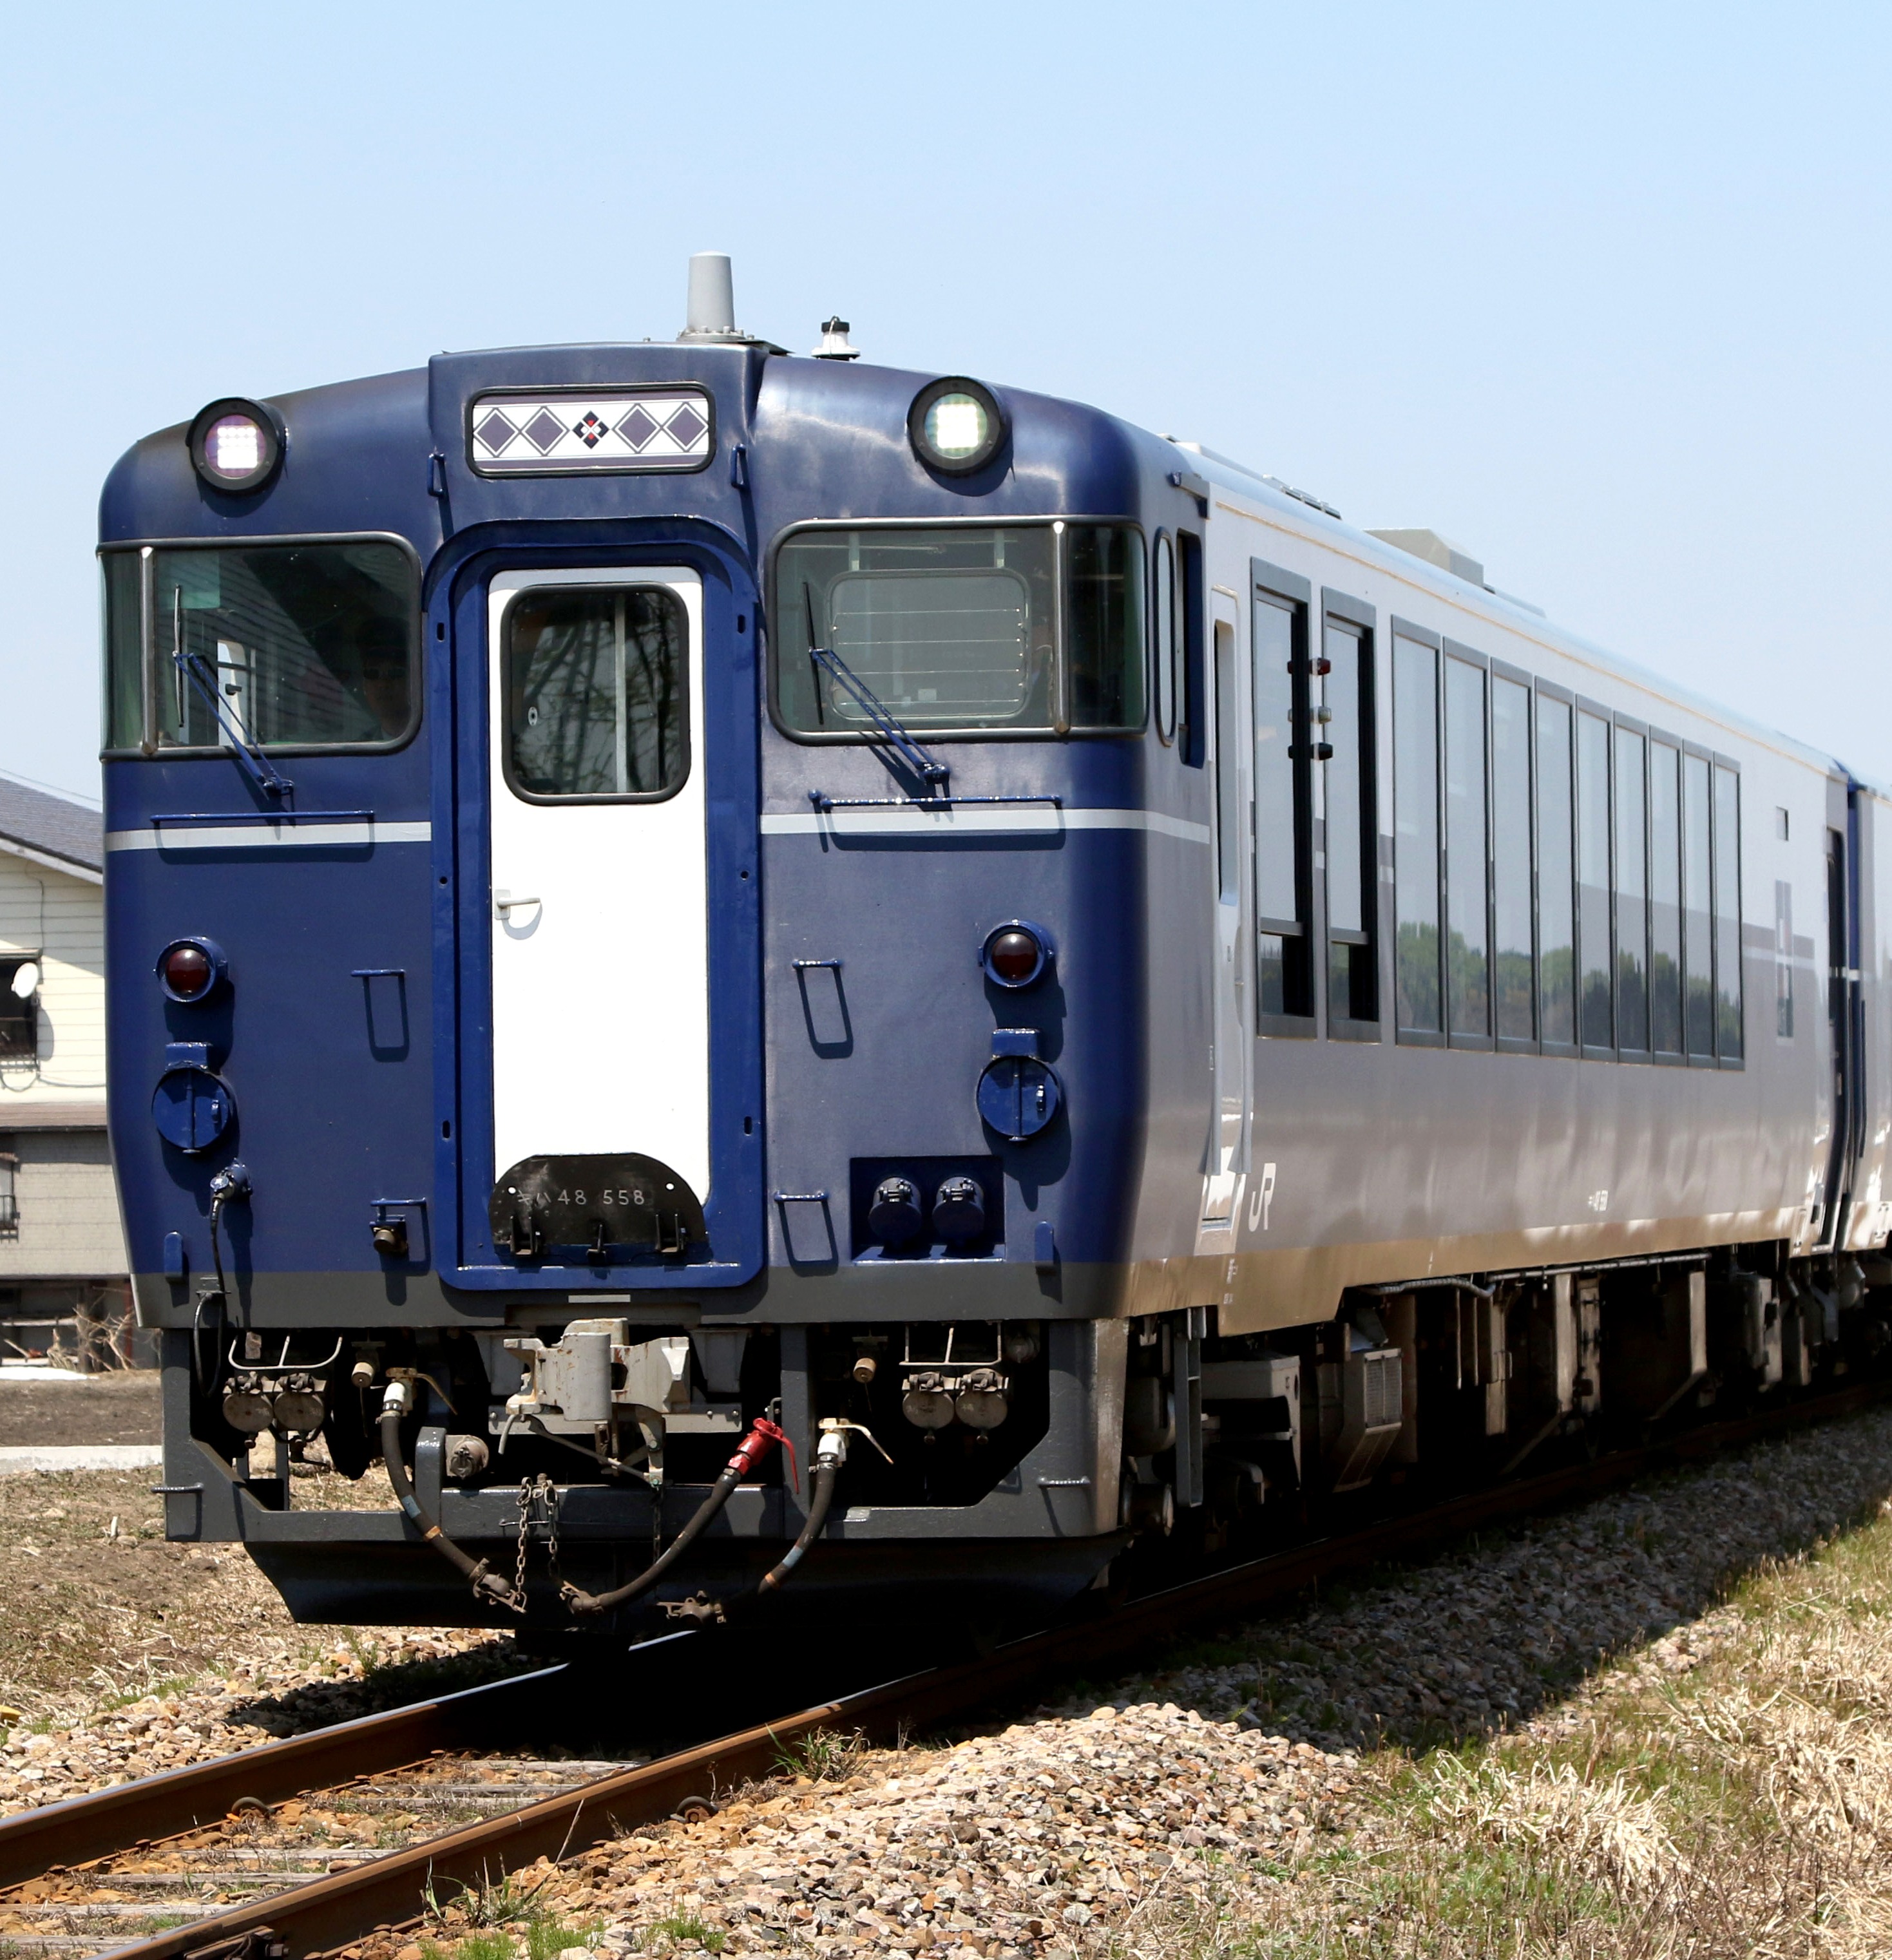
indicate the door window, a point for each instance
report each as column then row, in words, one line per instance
column 596, row 694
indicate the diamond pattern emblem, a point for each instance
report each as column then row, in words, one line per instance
column 631, row 427
column 494, row 431
column 544, row 430
column 638, row 427
column 686, row 427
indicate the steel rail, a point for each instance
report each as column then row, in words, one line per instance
column 393, row 1891
column 177, row 1801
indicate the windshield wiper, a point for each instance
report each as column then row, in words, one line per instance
column 891, row 730
column 194, row 668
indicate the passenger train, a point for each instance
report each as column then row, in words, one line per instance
column 789, row 985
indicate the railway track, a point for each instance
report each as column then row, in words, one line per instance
column 266, row 1877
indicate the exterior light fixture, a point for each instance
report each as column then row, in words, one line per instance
column 236, row 445
column 956, row 425
column 189, row 969
column 1016, row 954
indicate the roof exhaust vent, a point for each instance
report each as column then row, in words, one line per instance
column 1435, row 550
column 712, row 308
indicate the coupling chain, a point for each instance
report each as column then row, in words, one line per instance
column 538, row 1495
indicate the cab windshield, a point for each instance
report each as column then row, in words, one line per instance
column 300, row 646
column 956, row 628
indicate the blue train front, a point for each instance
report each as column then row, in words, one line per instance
column 630, row 929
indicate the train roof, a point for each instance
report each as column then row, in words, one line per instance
column 1321, row 522
column 1061, row 446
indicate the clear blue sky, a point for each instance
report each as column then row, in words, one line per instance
column 1601, row 290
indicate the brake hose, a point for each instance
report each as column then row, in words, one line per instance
column 487, row 1584
column 762, row 1436
column 829, row 1457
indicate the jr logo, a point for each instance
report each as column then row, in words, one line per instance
column 1261, row 1201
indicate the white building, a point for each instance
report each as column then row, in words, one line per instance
column 62, row 1263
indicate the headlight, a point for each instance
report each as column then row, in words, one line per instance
column 235, row 445
column 956, row 425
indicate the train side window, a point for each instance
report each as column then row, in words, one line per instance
column 1512, row 966
column 1351, row 830
column 1163, row 635
column 1284, row 755
column 1416, row 838
column 1727, row 976
column 1227, row 769
column 1467, row 851
column 1631, row 895
column 1103, row 626
column 1596, row 1022
column 1556, row 877
column 1665, row 899
column 124, row 650
column 1192, row 726
column 284, row 646
column 1698, row 945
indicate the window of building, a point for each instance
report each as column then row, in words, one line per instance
column 1419, row 997
column 1513, row 1001
column 1347, row 807
column 9, row 1192
column 20, row 1008
column 1632, row 894
column 1284, row 857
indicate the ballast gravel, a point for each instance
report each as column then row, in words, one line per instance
column 1227, row 1770
column 1055, row 1833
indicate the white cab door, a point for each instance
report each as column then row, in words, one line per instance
column 600, row 928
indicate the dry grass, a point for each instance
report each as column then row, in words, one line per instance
column 1727, row 1790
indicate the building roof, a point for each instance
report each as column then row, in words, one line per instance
column 35, row 823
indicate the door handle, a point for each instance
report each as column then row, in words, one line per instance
column 504, row 902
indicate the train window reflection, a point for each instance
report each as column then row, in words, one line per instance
column 1594, row 1018
column 1347, row 803
column 1556, row 914
column 950, row 627
column 1665, row 899
column 1631, row 896
column 597, row 692
column 1511, row 859
column 1103, row 626
column 1728, row 977
column 1282, row 859
column 124, row 650
column 1698, row 953
column 1163, row 618
column 1468, row 970
column 1415, row 833
column 303, row 646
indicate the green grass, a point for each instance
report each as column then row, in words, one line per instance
column 687, row 1925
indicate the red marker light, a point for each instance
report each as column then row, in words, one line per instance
column 187, row 971
column 1015, row 955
